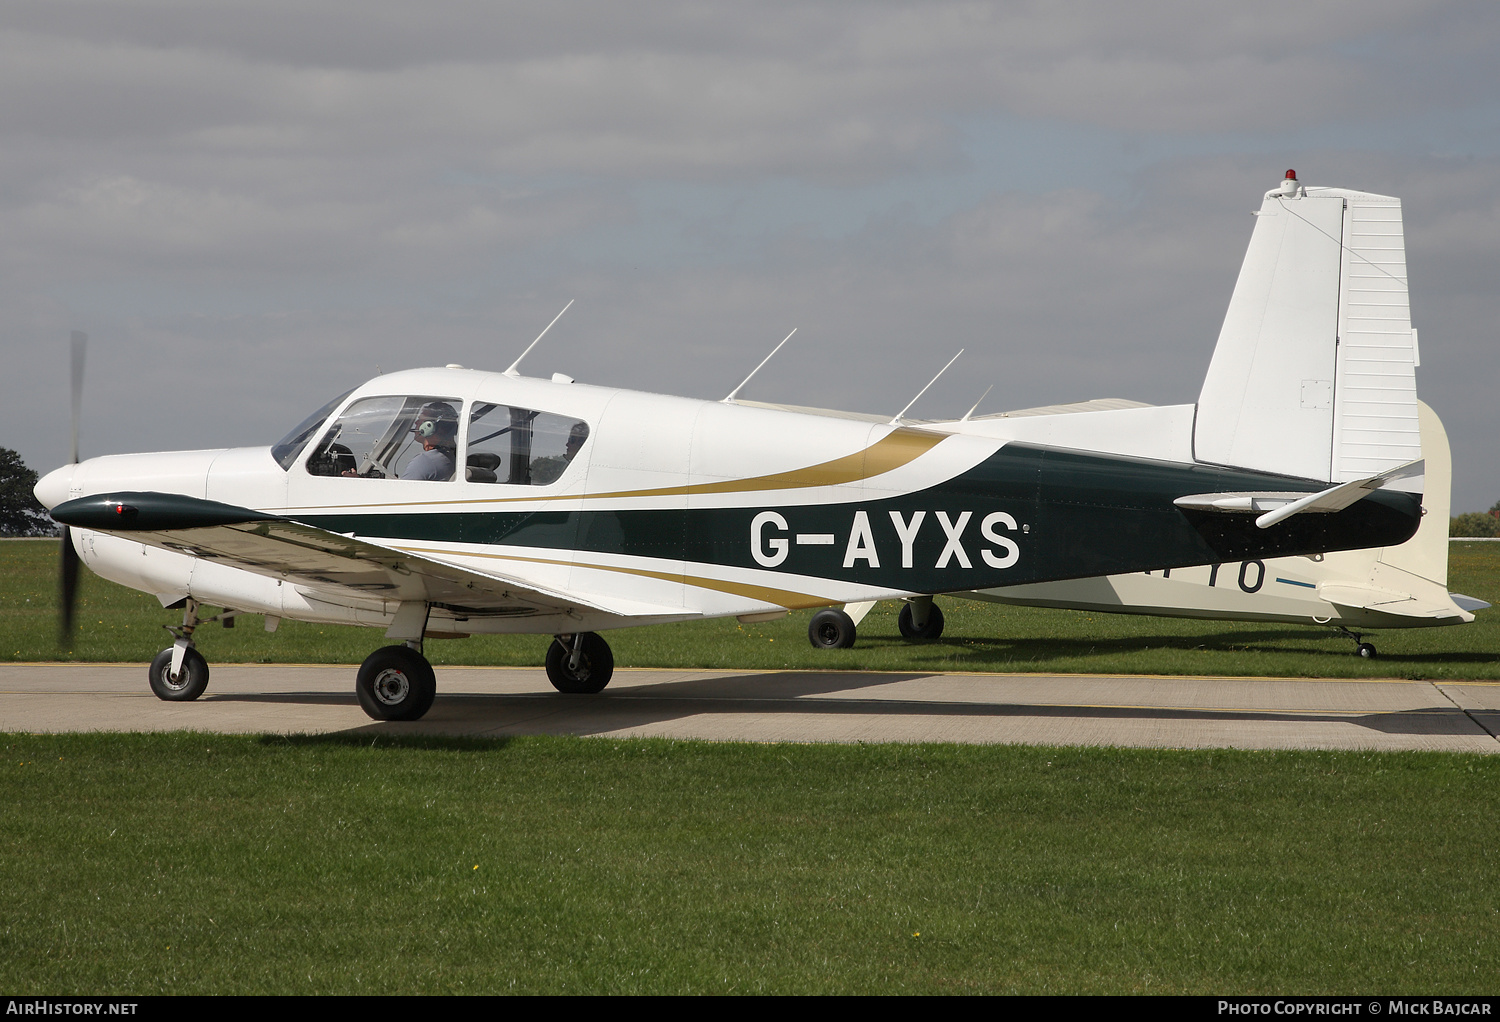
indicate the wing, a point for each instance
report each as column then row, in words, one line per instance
column 331, row 562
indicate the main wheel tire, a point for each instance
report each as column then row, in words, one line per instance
column 831, row 629
column 190, row 681
column 1366, row 650
column 596, row 665
column 395, row 683
column 931, row 630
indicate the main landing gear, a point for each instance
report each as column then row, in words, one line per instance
column 394, row 682
column 920, row 620
column 579, row 664
column 831, row 628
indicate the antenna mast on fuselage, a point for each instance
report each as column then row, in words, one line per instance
column 512, row 371
column 897, row 420
column 730, row 399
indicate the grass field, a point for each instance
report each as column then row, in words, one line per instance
column 189, row 863
column 118, row 624
column 183, row 863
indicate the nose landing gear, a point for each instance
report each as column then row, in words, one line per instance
column 179, row 674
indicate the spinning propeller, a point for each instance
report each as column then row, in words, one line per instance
column 69, row 563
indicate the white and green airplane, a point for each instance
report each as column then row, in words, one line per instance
column 450, row 501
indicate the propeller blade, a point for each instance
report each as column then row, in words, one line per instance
column 68, row 573
column 80, row 349
column 68, row 595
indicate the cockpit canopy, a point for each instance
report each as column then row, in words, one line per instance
column 420, row 437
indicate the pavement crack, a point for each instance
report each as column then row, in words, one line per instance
column 1478, row 722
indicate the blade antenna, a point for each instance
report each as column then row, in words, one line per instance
column 897, row 420
column 730, row 399
column 971, row 411
column 512, row 370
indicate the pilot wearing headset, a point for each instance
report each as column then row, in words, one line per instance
column 436, row 429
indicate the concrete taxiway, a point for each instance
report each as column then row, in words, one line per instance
column 800, row 706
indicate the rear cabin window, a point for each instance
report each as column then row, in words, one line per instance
column 520, row 446
column 391, row 438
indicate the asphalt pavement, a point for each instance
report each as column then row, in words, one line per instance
column 789, row 706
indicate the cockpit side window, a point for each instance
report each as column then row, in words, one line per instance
column 520, row 446
column 391, row 437
column 291, row 445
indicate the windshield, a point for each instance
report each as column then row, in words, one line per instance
column 291, row 445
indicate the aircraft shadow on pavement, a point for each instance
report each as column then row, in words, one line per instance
column 1027, row 652
column 802, row 694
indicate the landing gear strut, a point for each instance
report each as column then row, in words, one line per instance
column 579, row 664
column 179, row 674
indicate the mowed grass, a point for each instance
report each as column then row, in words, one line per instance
column 189, row 863
column 118, row 624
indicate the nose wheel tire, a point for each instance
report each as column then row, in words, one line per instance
column 1366, row 650
column 395, row 683
column 189, row 682
column 595, row 666
column 831, row 629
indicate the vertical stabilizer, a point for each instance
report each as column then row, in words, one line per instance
column 1313, row 374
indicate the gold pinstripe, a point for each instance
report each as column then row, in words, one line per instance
column 781, row 597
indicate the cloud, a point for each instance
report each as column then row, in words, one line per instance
column 252, row 207
column 841, row 91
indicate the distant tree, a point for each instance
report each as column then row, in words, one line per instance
column 1477, row 524
column 20, row 514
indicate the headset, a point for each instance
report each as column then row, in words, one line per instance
column 432, row 423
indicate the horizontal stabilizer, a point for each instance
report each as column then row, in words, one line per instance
column 1389, row 601
column 1275, row 507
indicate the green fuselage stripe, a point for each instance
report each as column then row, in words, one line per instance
column 1075, row 515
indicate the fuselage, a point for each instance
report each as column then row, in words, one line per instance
column 696, row 508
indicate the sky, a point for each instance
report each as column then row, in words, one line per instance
column 251, row 207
